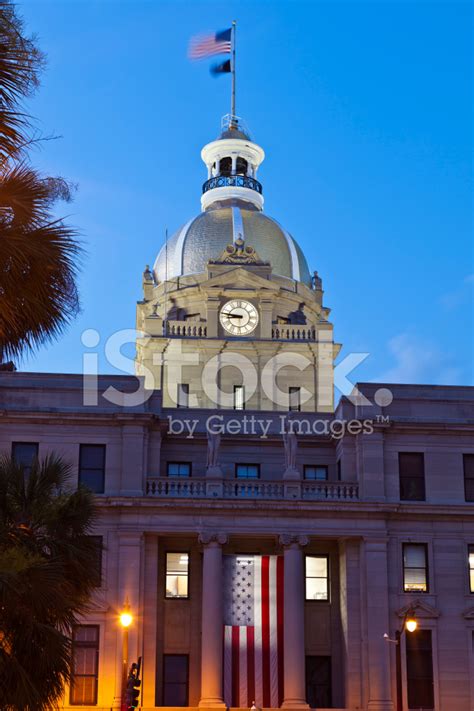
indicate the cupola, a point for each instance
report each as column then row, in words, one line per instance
column 232, row 163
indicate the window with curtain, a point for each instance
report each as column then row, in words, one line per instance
column 415, row 567
column 316, row 577
column 85, row 665
column 177, row 575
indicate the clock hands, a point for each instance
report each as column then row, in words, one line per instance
column 231, row 315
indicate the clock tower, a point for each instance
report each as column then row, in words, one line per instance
column 231, row 316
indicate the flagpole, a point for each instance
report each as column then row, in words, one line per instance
column 232, row 104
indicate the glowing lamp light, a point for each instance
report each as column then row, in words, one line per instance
column 411, row 624
column 126, row 619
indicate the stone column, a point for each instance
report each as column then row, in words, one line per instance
column 378, row 657
column 294, row 689
column 212, row 621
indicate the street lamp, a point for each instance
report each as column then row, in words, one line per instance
column 126, row 620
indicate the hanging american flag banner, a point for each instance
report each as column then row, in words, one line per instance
column 253, row 630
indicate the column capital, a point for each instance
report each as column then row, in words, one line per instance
column 207, row 538
column 293, row 539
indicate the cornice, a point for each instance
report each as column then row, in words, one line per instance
column 352, row 510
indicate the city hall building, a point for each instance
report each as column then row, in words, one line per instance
column 268, row 542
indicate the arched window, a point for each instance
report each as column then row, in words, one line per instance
column 242, row 166
column 226, row 166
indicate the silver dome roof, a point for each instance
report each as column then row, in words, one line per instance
column 207, row 235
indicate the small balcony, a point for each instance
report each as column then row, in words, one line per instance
column 232, row 181
column 185, row 329
column 202, row 488
column 293, row 332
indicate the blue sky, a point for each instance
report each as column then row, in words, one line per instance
column 365, row 114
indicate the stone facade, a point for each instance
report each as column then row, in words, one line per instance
column 356, row 517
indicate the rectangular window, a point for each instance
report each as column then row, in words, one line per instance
column 239, row 397
column 183, row 395
column 247, row 471
column 415, row 567
column 98, row 546
column 339, row 470
column 411, row 468
column 177, row 575
column 419, row 670
column 471, row 567
column 317, row 577
column 24, row 454
column 468, row 461
column 92, row 467
column 315, row 472
column 294, row 399
column 318, row 682
column 175, row 679
column 178, row 469
column 85, row 665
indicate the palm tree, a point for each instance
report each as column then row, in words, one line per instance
column 39, row 254
column 47, row 574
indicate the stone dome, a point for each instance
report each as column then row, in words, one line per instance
column 207, row 235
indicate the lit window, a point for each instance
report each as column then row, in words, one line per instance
column 471, row 568
column 177, row 574
column 183, row 395
column 24, row 454
column 415, row 567
column 239, row 397
column 179, row 469
column 315, row 472
column 85, row 665
column 294, row 399
column 92, row 467
column 247, row 471
column 316, row 577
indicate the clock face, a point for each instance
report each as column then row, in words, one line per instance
column 238, row 317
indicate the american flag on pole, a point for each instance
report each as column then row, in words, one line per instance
column 202, row 46
column 253, row 630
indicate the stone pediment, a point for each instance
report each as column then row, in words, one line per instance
column 421, row 609
column 239, row 277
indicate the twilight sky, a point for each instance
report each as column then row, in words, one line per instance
column 364, row 110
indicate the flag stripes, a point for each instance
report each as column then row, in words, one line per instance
column 253, row 653
column 202, row 46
